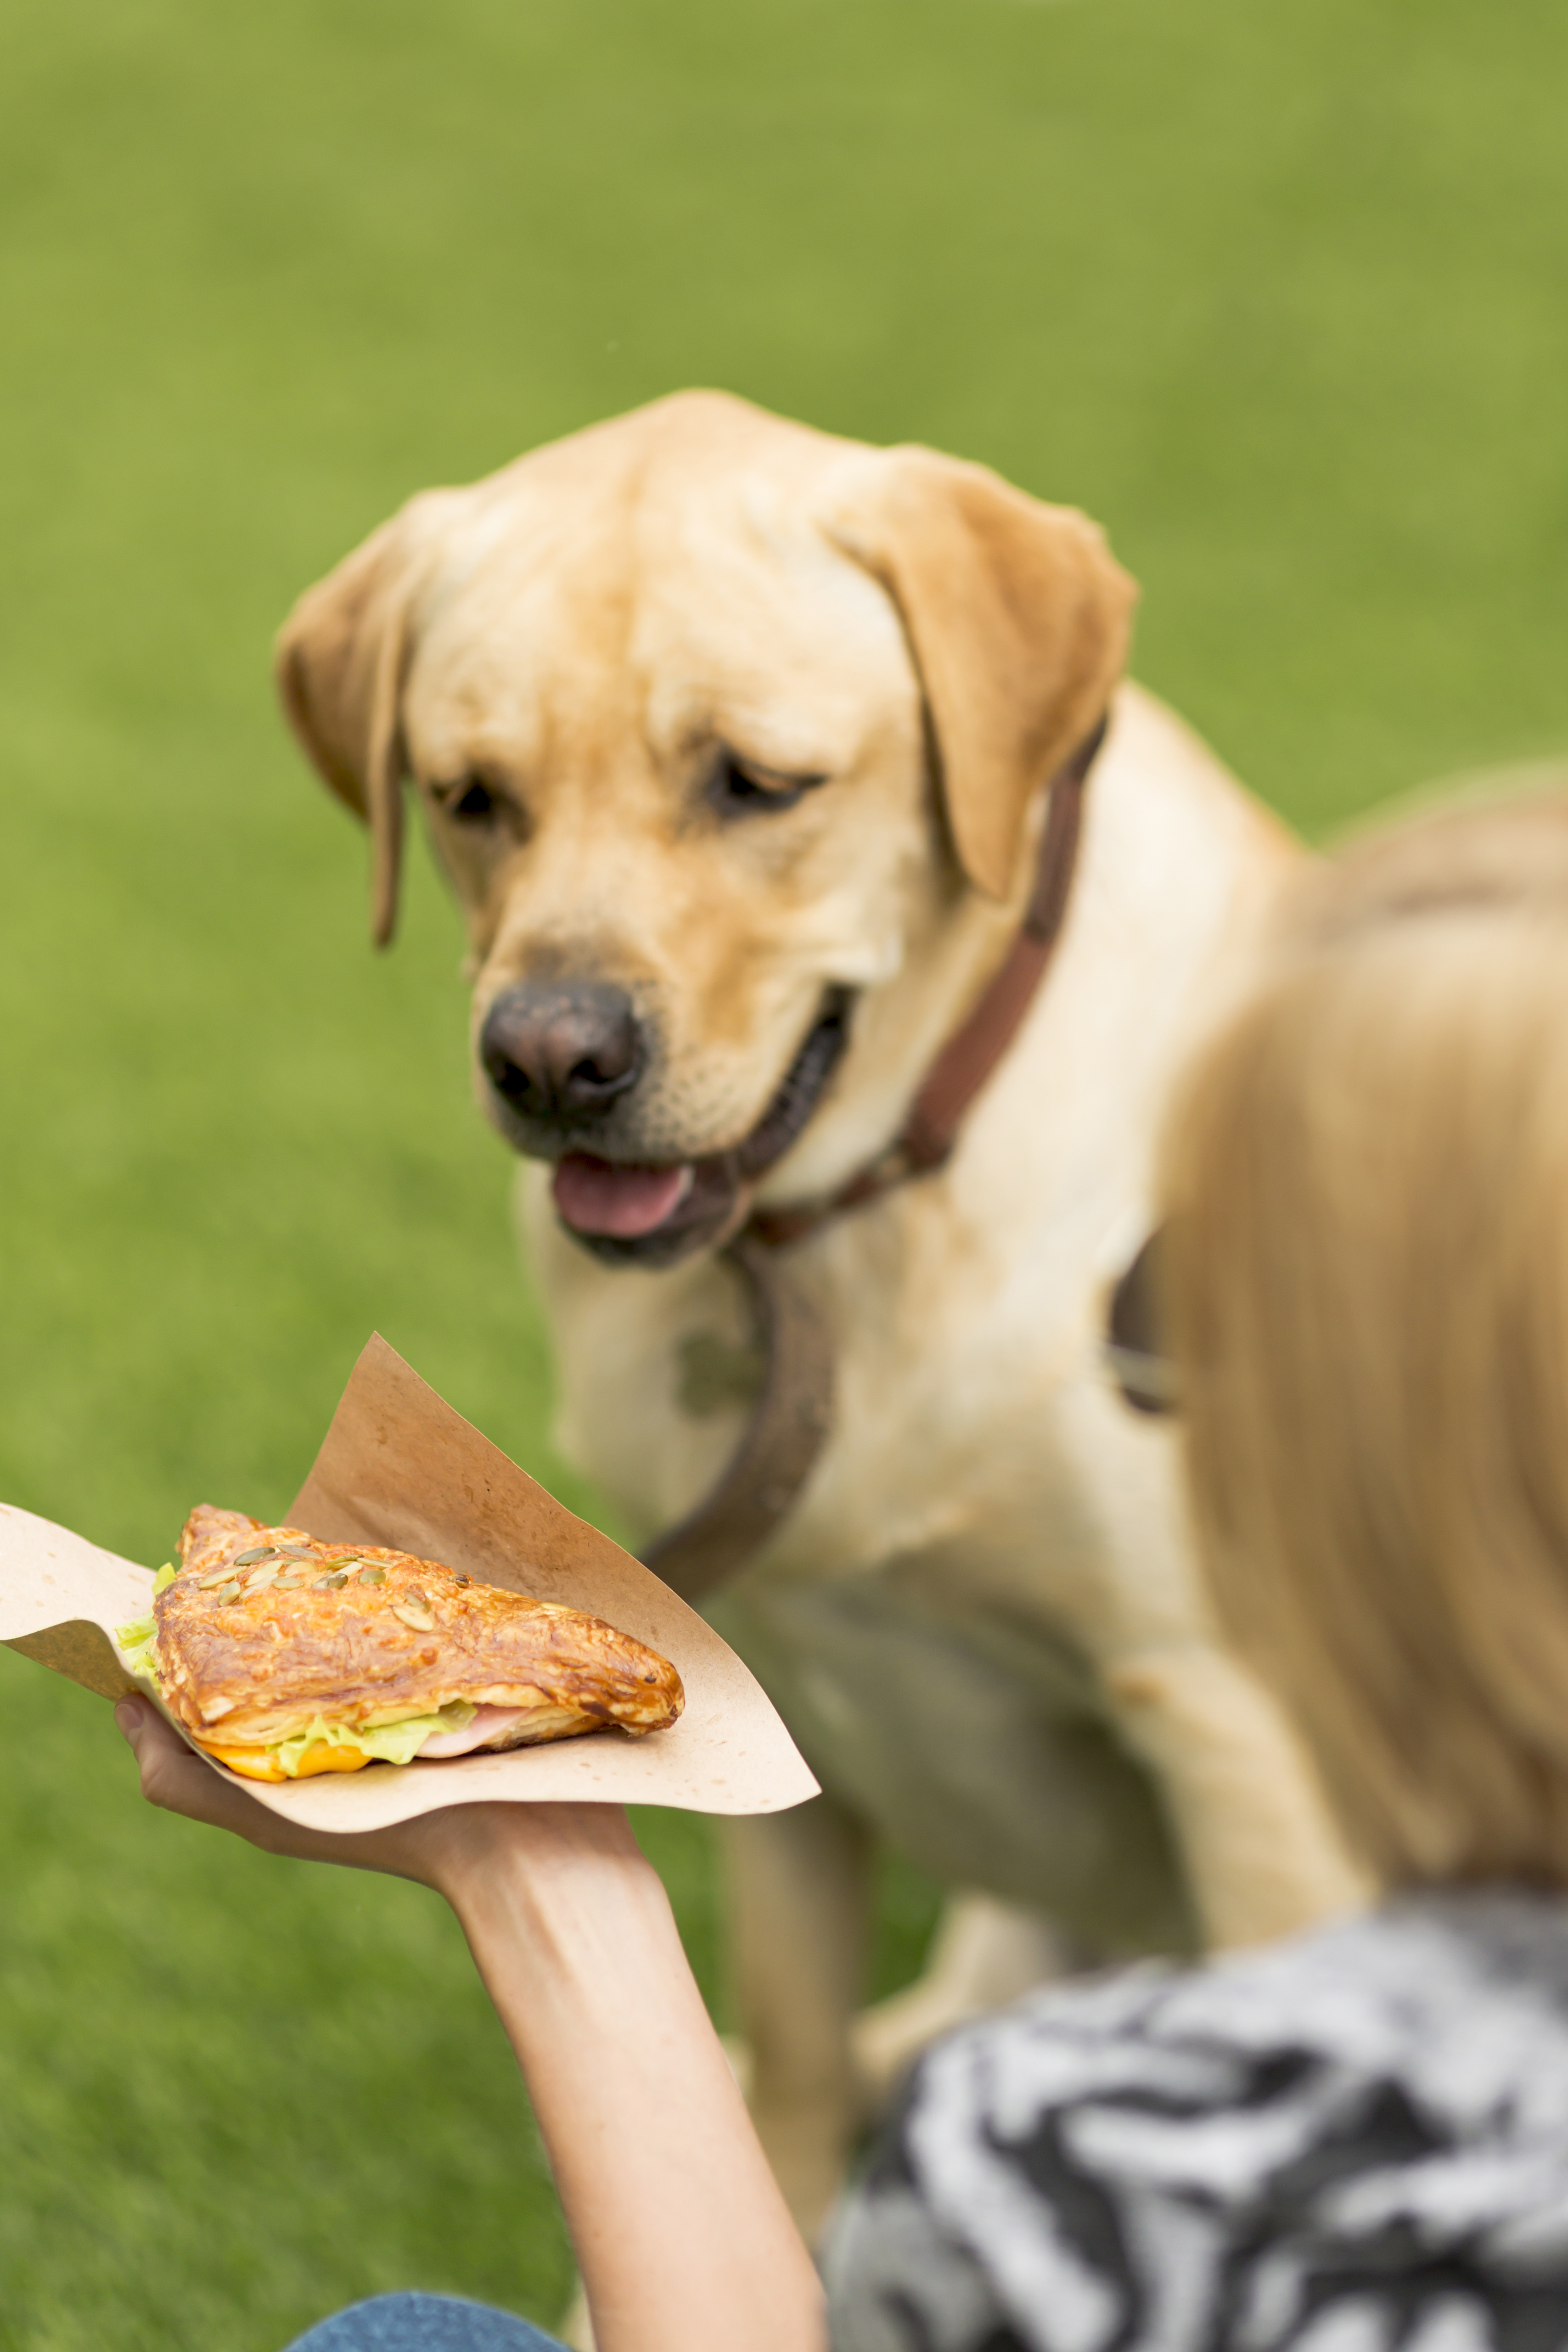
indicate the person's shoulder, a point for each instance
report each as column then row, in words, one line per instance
column 1322, row 2094
column 1356, row 1991
column 1386, row 1992
column 1202, row 2080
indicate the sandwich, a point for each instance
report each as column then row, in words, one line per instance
column 282, row 1657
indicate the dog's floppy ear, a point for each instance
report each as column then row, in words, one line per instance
column 342, row 659
column 1018, row 620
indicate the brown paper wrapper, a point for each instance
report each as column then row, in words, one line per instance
column 399, row 1467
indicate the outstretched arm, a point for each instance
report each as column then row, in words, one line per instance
column 683, row 2240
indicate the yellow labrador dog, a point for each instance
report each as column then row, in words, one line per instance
column 735, row 740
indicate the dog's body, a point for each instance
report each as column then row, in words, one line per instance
column 729, row 902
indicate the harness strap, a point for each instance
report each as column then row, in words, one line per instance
column 792, row 1417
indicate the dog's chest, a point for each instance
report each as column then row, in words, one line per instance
column 973, row 1422
column 986, row 1524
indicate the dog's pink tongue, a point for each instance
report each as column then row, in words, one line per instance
column 596, row 1196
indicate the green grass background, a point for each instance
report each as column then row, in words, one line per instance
column 1275, row 290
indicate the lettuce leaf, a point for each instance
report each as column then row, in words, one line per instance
column 137, row 1638
column 384, row 1743
column 136, row 1644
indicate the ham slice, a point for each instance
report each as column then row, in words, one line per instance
column 488, row 1724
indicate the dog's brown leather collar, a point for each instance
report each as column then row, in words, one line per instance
column 931, row 1129
column 794, row 1413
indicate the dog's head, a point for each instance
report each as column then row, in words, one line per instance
column 720, row 725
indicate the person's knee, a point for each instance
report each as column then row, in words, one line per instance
column 422, row 2323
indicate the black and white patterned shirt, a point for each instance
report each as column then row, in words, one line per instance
column 1354, row 2142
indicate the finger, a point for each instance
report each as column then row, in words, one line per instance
column 176, row 1778
column 442, row 1850
column 178, row 1781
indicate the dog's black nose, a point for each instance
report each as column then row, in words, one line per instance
column 561, row 1049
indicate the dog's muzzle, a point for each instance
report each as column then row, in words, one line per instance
column 561, row 1058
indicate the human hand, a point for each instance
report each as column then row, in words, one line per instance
column 447, row 1850
column 684, row 2242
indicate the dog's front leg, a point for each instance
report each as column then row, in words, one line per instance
column 800, row 1896
column 984, row 1954
column 1262, row 1854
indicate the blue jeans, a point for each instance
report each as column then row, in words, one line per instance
column 422, row 2323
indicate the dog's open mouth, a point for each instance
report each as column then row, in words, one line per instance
column 651, row 1216
column 600, row 1196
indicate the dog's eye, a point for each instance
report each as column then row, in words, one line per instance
column 475, row 804
column 739, row 788
column 491, row 817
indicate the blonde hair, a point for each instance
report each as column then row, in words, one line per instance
column 1365, row 1286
